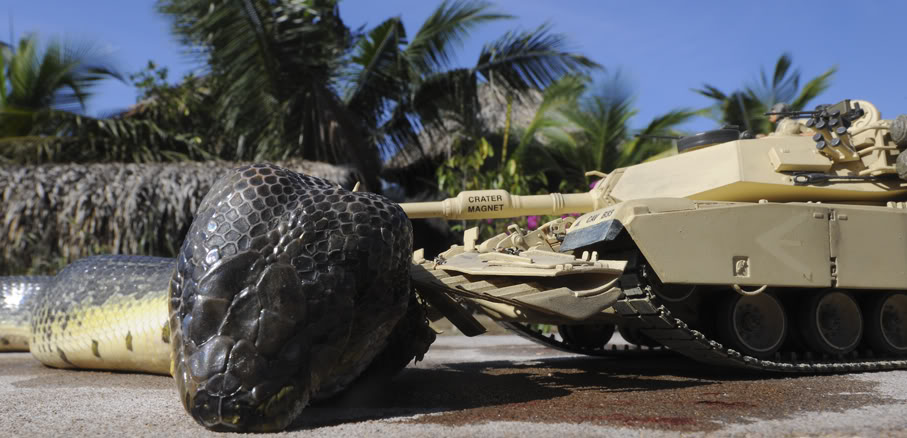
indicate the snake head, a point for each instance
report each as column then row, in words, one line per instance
column 242, row 344
column 286, row 289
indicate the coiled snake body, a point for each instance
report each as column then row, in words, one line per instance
column 286, row 289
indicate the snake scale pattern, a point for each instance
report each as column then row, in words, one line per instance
column 286, row 290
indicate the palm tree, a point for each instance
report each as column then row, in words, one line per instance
column 296, row 80
column 585, row 127
column 34, row 82
column 745, row 108
column 43, row 94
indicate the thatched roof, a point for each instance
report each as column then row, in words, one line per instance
column 438, row 142
column 57, row 213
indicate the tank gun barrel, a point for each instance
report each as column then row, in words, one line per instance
column 497, row 204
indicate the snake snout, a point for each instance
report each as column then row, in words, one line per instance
column 245, row 346
column 248, row 392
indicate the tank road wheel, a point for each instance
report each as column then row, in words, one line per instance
column 755, row 325
column 832, row 323
column 634, row 336
column 886, row 323
column 587, row 336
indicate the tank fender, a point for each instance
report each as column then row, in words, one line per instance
column 605, row 224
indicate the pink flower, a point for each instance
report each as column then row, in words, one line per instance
column 532, row 222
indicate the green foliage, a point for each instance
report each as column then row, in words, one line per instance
column 61, row 76
column 42, row 94
column 277, row 64
column 281, row 78
column 295, row 80
column 576, row 128
column 37, row 83
column 479, row 169
column 81, row 138
column 746, row 107
column 581, row 127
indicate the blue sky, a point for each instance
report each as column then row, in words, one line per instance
column 662, row 48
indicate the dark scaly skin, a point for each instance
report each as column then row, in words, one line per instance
column 286, row 289
column 107, row 301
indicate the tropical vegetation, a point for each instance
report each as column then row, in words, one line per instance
column 580, row 125
column 746, row 107
column 39, row 87
column 290, row 78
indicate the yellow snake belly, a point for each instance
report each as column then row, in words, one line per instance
column 105, row 312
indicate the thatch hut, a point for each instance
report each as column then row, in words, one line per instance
column 53, row 214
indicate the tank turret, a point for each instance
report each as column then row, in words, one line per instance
column 739, row 251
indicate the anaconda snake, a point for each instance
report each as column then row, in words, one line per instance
column 286, row 289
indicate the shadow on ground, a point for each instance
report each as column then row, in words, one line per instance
column 664, row 392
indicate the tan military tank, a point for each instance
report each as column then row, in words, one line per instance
column 782, row 253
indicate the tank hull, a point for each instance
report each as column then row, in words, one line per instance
column 808, row 245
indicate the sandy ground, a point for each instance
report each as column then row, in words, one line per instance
column 489, row 386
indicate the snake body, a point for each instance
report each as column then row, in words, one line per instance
column 17, row 297
column 286, row 289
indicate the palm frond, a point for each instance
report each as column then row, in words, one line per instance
column 5, row 57
column 643, row 146
column 378, row 62
column 781, row 68
column 277, row 63
column 711, row 92
column 782, row 86
column 59, row 76
column 558, row 95
column 449, row 97
column 529, row 60
column 431, row 48
column 813, row 89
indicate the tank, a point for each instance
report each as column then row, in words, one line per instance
column 781, row 253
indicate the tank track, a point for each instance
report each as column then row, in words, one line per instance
column 525, row 331
column 640, row 303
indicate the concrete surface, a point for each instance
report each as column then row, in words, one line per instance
column 488, row 386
